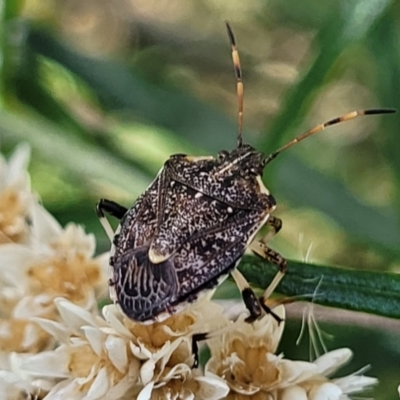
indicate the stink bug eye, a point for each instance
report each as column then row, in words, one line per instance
column 190, row 228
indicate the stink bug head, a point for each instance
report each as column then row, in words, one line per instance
column 192, row 225
column 243, row 161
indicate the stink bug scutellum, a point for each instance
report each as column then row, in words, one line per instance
column 192, row 225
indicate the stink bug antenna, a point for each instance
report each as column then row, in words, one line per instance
column 239, row 82
column 321, row 127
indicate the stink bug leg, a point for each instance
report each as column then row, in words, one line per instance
column 109, row 207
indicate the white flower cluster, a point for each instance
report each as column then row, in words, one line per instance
column 56, row 345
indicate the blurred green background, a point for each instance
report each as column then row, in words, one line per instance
column 104, row 91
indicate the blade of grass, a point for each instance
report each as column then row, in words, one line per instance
column 372, row 292
column 84, row 160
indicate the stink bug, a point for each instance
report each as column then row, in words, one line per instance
column 189, row 229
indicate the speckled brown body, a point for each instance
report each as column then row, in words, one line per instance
column 190, row 228
column 187, row 231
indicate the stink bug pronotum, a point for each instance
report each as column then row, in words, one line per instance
column 190, row 228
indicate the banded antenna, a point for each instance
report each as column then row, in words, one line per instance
column 239, row 89
column 239, row 82
column 346, row 117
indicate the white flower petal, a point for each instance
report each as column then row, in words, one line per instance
column 140, row 351
column 293, row 372
column 16, row 174
column 293, row 393
column 145, row 393
column 177, row 371
column 147, row 372
column 355, row 383
column 211, row 387
column 14, row 261
column 95, row 337
column 326, row 391
column 33, row 306
column 99, row 386
column 12, row 362
column 44, row 226
column 48, row 363
column 75, row 239
column 56, row 329
column 73, row 315
column 112, row 316
column 8, row 377
column 30, row 337
column 13, row 387
column 332, row 361
column 65, row 390
column 127, row 382
column 116, row 349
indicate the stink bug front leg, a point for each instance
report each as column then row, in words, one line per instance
column 260, row 248
column 104, row 207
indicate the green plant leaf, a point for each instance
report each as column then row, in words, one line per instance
column 84, row 160
column 372, row 292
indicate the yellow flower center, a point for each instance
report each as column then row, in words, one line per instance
column 83, row 359
column 246, row 365
column 69, row 277
column 154, row 336
column 22, row 336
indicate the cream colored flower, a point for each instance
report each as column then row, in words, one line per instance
column 185, row 384
column 14, row 388
column 15, row 384
column 112, row 357
column 321, row 387
column 245, row 357
column 15, row 197
column 92, row 360
column 165, row 349
column 56, row 262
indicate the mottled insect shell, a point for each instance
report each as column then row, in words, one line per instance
column 187, row 231
column 190, row 228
